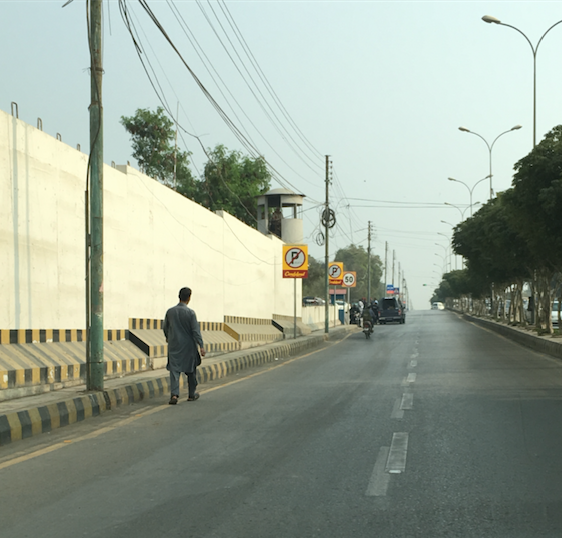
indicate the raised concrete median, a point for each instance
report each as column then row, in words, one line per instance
column 544, row 344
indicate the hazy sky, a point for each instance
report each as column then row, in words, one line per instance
column 382, row 87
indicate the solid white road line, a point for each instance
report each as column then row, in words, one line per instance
column 396, row 411
column 396, row 462
column 407, row 400
column 378, row 484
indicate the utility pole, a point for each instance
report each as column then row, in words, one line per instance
column 327, row 251
column 385, row 266
column 94, row 367
column 369, row 265
column 176, row 148
column 393, row 260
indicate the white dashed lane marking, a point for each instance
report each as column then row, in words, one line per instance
column 407, row 401
column 396, row 462
column 397, row 412
column 378, row 484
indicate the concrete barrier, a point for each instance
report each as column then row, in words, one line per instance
column 543, row 344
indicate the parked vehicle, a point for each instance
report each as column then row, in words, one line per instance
column 313, row 301
column 391, row 309
column 554, row 313
column 354, row 314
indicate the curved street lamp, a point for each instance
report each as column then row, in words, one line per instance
column 461, row 211
column 451, row 245
column 446, row 254
column 489, row 19
column 490, row 147
column 470, row 191
column 444, row 266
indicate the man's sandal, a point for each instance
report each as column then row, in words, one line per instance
column 173, row 400
column 193, row 398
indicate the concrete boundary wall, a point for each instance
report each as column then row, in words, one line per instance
column 155, row 242
column 543, row 344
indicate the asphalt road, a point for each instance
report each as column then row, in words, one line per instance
column 435, row 428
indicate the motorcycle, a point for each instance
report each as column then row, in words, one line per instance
column 367, row 329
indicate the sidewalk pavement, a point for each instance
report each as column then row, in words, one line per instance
column 32, row 415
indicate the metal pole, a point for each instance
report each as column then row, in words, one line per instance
column 385, row 266
column 176, row 147
column 295, row 310
column 327, row 237
column 393, row 260
column 369, row 265
column 95, row 367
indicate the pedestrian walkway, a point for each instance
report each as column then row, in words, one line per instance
column 25, row 417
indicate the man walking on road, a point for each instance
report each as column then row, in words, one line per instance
column 184, row 337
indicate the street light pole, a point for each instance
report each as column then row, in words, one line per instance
column 445, row 258
column 461, row 211
column 443, row 267
column 452, row 226
column 450, row 250
column 489, row 19
column 470, row 191
column 490, row 147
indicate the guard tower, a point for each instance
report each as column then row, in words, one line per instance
column 279, row 213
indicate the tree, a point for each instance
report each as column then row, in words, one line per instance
column 314, row 285
column 152, row 137
column 355, row 258
column 536, row 203
column 232, row 182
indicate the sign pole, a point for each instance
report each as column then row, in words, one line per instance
column 295, row 265
column 348, row 295
column 295, row 311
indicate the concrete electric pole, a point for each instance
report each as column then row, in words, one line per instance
column 94, row 331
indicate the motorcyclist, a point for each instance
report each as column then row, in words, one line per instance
column 368, row 318
column 374, row 310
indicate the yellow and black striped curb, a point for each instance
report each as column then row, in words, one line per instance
column 23, row 424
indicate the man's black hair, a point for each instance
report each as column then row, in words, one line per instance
column 185, row 294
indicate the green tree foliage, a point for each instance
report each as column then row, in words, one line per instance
column 354, row 258
column 153, row 141
column 536, row 200
column 517, row 237
column 232, row 182
column 314, row 285
column 494, row 249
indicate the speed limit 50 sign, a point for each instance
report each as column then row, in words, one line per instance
column 350, row 279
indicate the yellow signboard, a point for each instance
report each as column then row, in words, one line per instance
column 295, row 261
column 335, row 273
